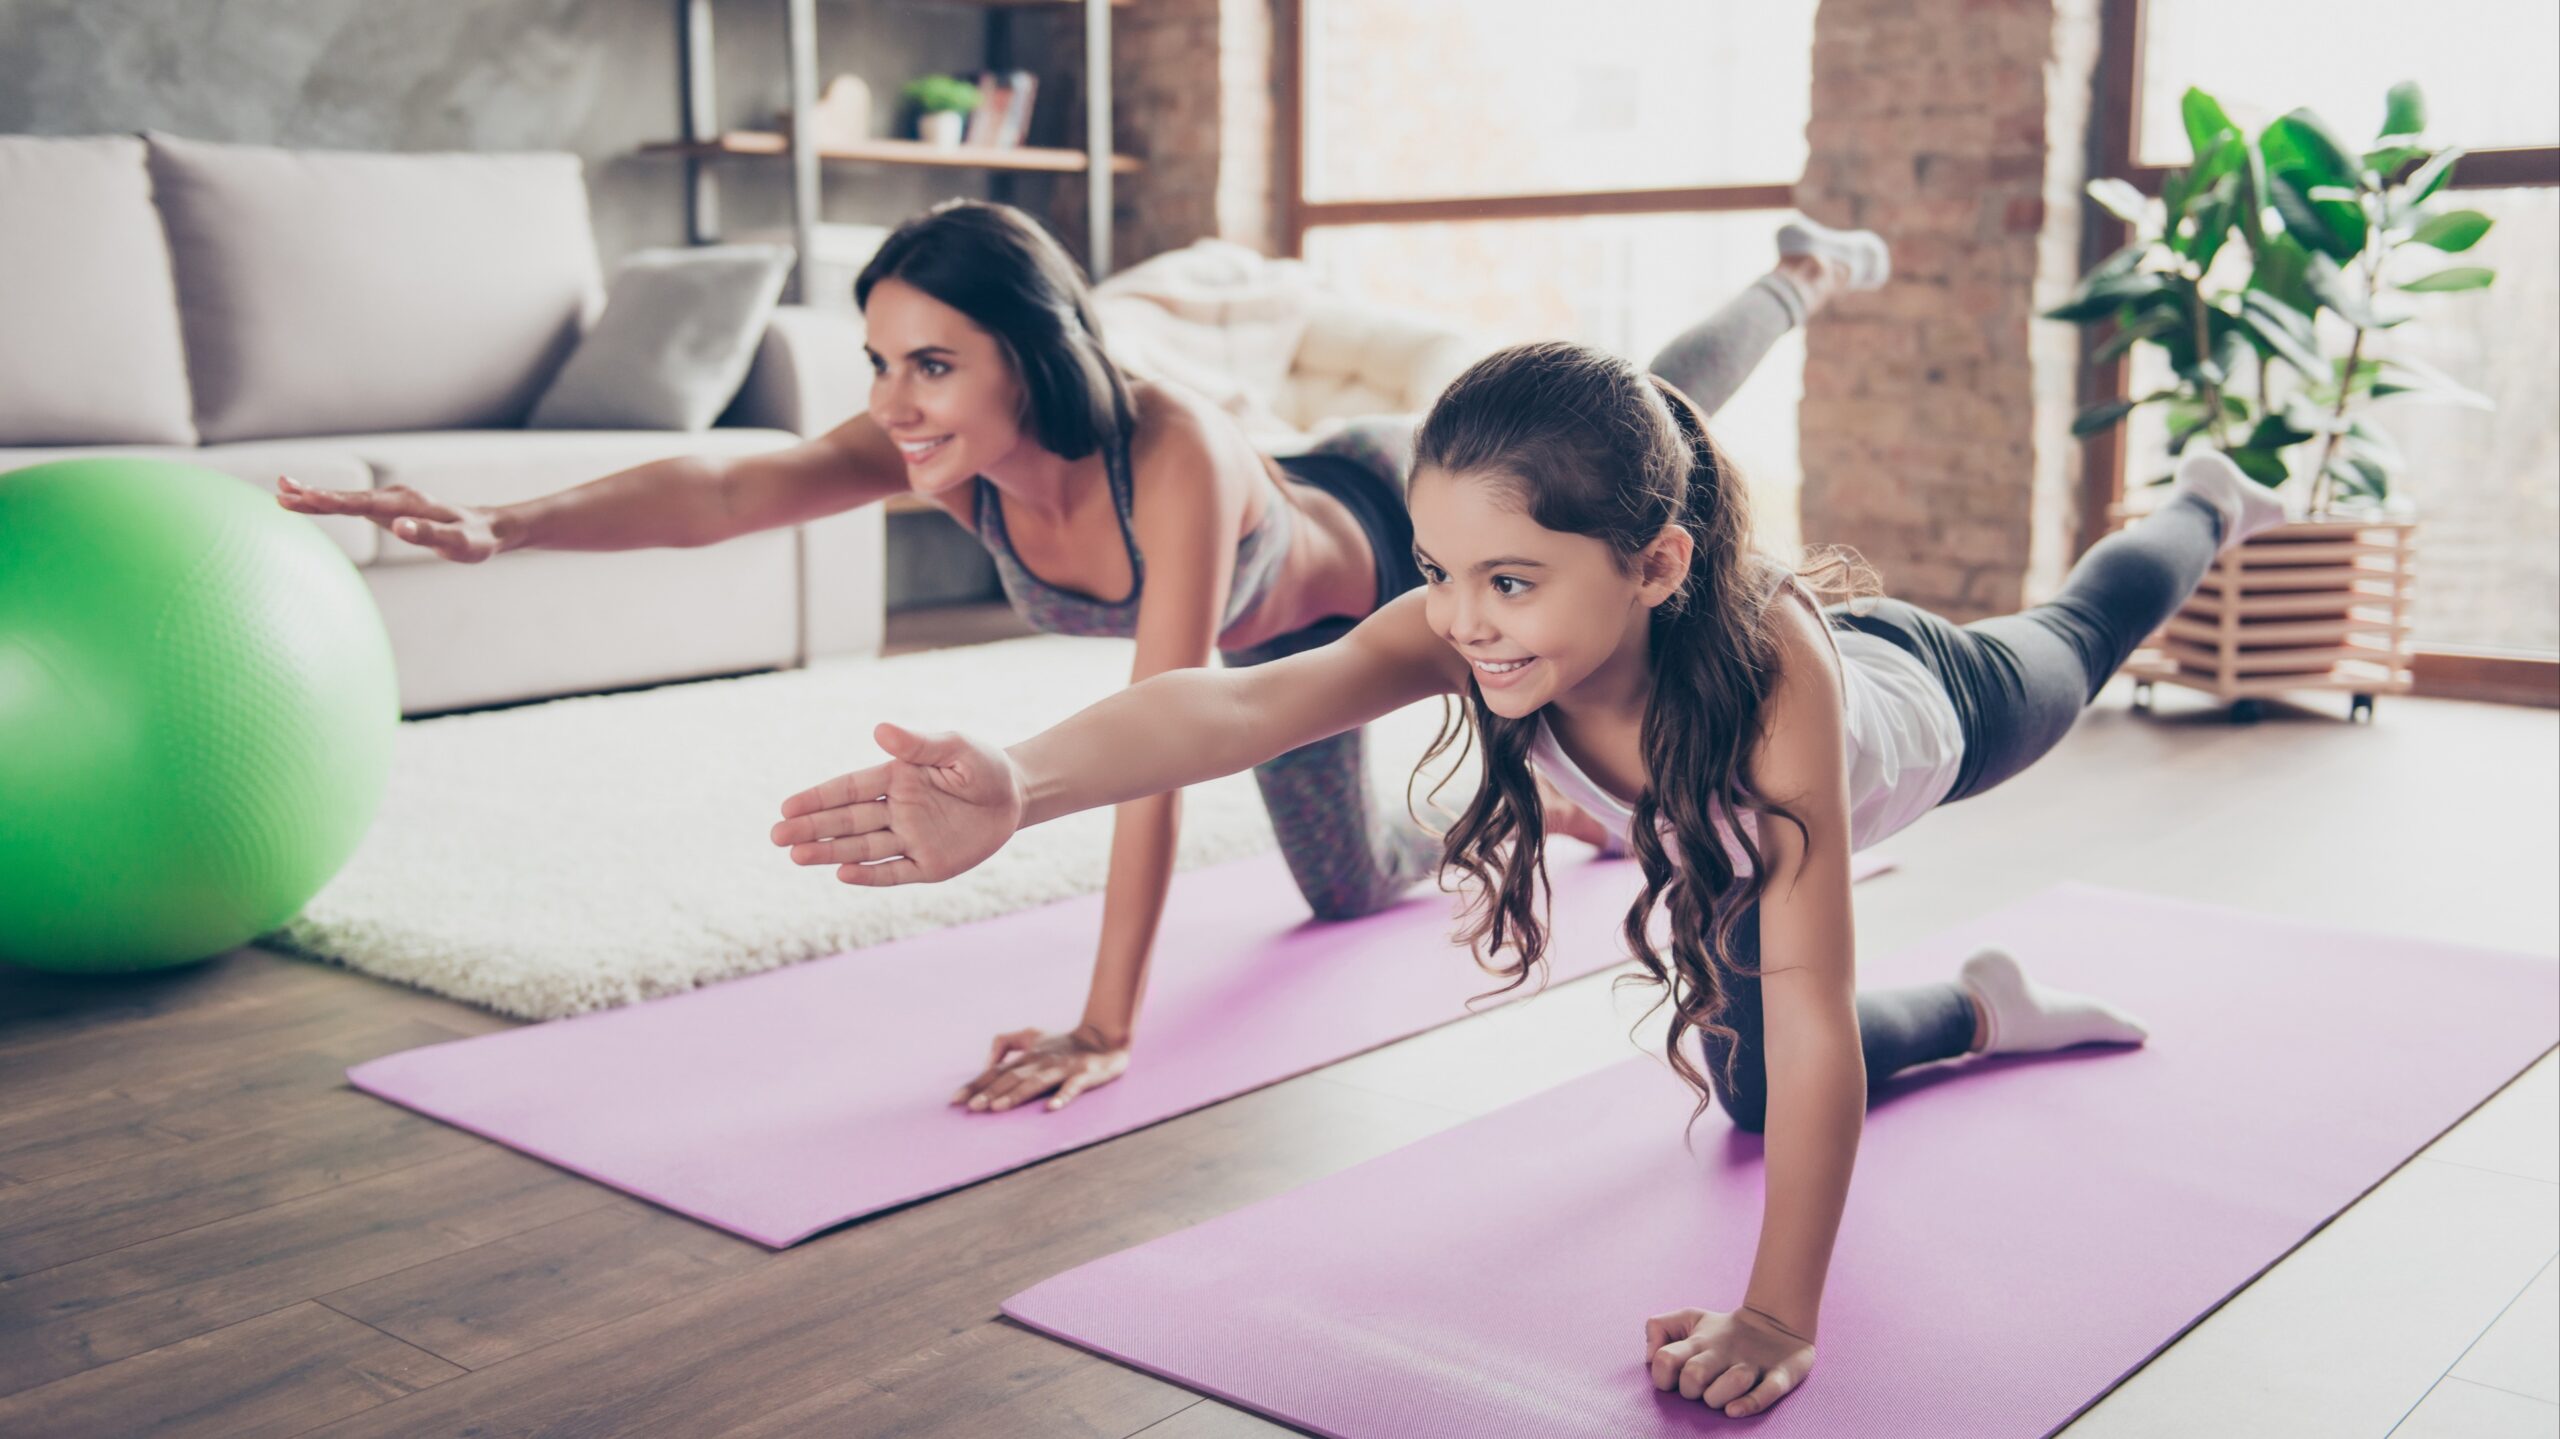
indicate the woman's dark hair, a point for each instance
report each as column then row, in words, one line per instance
column 995, row 265
column 1588, row 444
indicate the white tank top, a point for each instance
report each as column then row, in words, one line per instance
column 1903, row 744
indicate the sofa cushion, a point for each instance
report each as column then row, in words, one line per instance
column 679, row 330
column 312, row 463
column 1365, row 359
column 501, row 467
column 326, row 293
column 89, row 352
column 1216, row 318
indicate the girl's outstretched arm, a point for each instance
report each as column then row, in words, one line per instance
column 943, row 803
column 1745, row 1360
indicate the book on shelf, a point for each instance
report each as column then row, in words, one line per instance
column 1003, row 116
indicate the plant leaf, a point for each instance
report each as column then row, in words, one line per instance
column 2272, row 324
column 2388, row 160
column 2335, row 291
column 2300, row 147
column 2404, row 110
column 2453, row 231
column 2150, row 325
column 2427, row 179
column 2123, row 201
column 2103, row 295
column 2212, row 223
column 2282, row 264
column 2460, row 277
column 2206, row 124
column 2420, row 381
column 2273, row 433
column 2099, row 416
column 2264, row 466
column 2230, row 343
column 2309, row 224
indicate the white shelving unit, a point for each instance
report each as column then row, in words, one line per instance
column 705, row 147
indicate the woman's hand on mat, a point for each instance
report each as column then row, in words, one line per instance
column 1740, row 1363
column 457, row 532
column 938, row 806
column 1029, row 1063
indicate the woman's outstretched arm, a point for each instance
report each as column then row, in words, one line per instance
column 673, row 503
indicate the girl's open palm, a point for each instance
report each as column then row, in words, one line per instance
column 935, row 808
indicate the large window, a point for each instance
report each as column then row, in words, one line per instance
column 2487, row 485
column 1603, row 173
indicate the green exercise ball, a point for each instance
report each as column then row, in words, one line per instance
column 196, row 714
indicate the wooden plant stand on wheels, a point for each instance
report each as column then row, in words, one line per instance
column 2314, row 605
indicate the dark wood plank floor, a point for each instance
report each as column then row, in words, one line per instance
column 204, row 1231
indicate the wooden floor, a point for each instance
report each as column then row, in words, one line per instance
column 204, row 1231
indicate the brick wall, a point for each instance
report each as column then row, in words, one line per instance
column 1191, row 99
column 1935, row 425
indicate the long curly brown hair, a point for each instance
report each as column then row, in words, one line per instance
column 1591, row 445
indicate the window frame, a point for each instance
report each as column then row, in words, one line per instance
column 1298, row 215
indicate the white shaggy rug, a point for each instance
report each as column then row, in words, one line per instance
column 592, row 852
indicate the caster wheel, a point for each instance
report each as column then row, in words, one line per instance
column 2360, row 710
column 2142, row 698
column 2247, row 712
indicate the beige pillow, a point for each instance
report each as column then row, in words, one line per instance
column 332, row 293
column 679, row 332
column 89, row 351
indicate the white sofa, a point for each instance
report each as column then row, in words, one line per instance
column 359, row 321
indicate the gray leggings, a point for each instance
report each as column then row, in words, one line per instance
column 2018, row 682
column 1349, row 856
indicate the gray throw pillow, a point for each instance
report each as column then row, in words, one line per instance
column 679, row 332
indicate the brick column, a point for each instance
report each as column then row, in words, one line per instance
column 1191, row 99
column 1936, row 416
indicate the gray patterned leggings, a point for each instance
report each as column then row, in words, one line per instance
column 1350, row 855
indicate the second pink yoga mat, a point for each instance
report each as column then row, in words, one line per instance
column 787, row 1103
column 2020, row 1235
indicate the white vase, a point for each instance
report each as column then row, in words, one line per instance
column 941, row 127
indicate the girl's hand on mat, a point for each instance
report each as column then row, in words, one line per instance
column 939, row 805
column 1740, row 1363
column 1029, row 1063
column 457, row 532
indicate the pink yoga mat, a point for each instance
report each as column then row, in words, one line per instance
column 2021, row 1234
column 781, row 1105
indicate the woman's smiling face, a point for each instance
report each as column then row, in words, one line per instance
column 941, row 387
column 1535, row 612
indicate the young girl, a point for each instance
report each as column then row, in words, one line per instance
column 1111, row 507
column 1591, row 595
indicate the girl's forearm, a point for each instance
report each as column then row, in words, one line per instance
column 1143, row 836
column 663, row 504
column 1176, row 729
column 1817, row 1107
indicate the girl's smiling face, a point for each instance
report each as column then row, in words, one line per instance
column 1536, row 613
column 941, row 387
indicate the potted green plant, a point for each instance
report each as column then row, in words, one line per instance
column 2270, row 274
column 2300, row 225
column 943, row 103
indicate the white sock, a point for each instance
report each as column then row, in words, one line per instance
column 1862, row 254
column 2246, row 506
column 2027, row 1018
